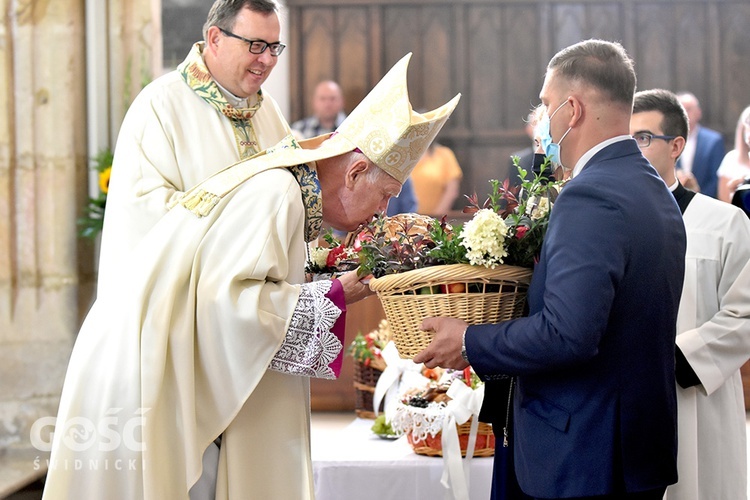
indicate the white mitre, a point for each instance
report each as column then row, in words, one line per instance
column 387, row 130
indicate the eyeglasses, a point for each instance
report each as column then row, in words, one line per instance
column 258, row 46
column 643, row 139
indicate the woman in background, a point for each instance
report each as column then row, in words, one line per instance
column 735, row 167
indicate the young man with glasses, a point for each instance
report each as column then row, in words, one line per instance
column 713, row 321
column 192, row 122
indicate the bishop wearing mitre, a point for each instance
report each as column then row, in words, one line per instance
column 196, row 363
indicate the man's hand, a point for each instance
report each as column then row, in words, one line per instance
column 688, row 180
column 354, row 289
column 733, row 185
column 445, row 349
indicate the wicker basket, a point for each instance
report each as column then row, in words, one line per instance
column 422, row 427
column 365, row 380
column 433, row 447
column 484, row 296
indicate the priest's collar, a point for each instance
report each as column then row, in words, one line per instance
column 237, row 102
column 682, row 196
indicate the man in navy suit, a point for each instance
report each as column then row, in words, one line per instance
column 703, row 152
column 594, row 404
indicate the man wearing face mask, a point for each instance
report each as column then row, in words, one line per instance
column 594, row 402
column 532, row 158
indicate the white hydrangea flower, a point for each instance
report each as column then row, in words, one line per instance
column 484, row 238
column 318, row 256
column 541, row 209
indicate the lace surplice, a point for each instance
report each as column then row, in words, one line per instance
column 310, row 345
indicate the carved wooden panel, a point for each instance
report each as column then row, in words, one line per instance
column 728, row 66
column 495, row 53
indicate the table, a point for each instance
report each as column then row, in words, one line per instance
column 355, row 463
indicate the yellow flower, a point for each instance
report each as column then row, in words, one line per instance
column 104, row 179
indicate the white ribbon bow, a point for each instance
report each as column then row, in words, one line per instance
column 465, row 402
column 388, row 382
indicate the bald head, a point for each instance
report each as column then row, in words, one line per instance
column 692, row 108
column 327, row 103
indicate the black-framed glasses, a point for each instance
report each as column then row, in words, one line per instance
column 643, row 139
column 258, row 46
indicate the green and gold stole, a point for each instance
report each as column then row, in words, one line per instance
column 195, row 73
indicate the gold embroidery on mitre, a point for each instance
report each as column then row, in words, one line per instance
column 417, row 147
column 418, row 130
column 375, row 145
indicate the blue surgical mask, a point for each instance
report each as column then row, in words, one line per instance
column 551, row 149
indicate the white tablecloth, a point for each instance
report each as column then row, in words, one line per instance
column 356, row 464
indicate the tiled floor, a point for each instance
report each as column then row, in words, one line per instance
column 323, row 425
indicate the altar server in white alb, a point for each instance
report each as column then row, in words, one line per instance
column 713, row 322
column 192, row 122
column 210, row 331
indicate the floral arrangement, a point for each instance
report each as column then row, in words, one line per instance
column 367, row 349
column 92, row 221
column 333, row 257
column 507, row 228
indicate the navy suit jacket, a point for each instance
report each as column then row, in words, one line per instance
column 595, row 408
column 709, row 151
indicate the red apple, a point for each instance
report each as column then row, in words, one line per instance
column 453, row 288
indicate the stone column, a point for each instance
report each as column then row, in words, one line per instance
column 135, row 53
column 46, row 270
column 42, row 183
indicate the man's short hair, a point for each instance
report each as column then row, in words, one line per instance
column 675, row 121
column 223, row 13
column 600, row 64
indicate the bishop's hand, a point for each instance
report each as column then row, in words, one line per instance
column 354, row 289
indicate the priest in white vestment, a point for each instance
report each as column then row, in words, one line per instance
column 210, row 330
column 713, row 322
column 189, row 124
